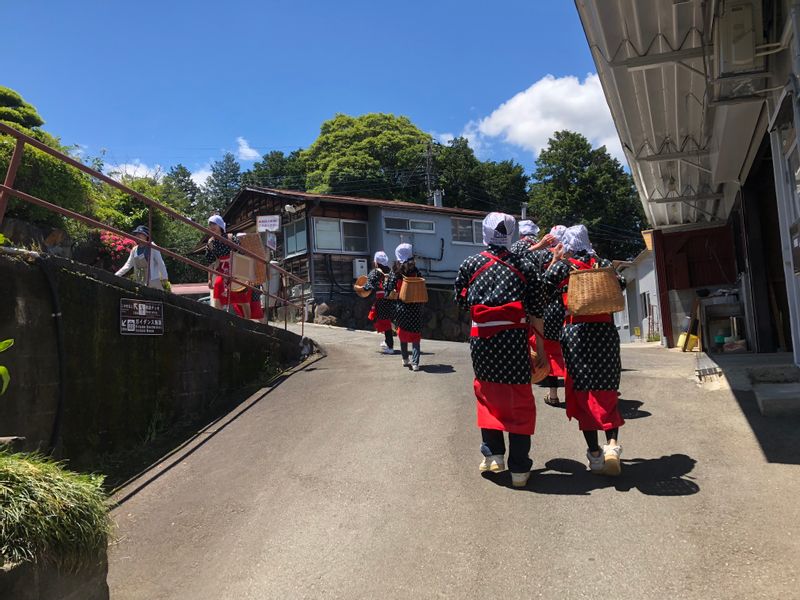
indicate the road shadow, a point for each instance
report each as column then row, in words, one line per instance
column 664, row 476
column 777, row 436
column 437, row 368
column 629, row 409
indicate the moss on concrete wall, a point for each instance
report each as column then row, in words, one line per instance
column 118, row 390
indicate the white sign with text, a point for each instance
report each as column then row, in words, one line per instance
column 268, row 223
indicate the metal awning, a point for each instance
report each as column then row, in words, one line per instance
column 687, row 142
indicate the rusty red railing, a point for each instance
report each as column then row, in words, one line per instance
column 7, row 190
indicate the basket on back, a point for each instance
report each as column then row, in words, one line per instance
column 594, row 292
column 358, row 287
column 252, row 242
column 413, row 290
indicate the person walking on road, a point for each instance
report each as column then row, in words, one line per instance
column 383, row 307
column 407, row 316
column 592, row 357
column 553, row 315
column 503, row 292
column 140, row 257
column 219, row 255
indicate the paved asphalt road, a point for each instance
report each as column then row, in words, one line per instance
column 356, row 478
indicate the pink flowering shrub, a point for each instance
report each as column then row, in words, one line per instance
column 114, row 249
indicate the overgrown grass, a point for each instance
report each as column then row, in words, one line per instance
column 49, row 514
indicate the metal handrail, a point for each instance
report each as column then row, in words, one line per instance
column 7, row 189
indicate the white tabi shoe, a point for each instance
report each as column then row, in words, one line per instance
column 387, row 350
column 596, row 463
column 415, row 367
column 406, row 362
column 494, row 463
column 611, row 454
column 520, row 480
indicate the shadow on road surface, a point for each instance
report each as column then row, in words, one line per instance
column 664, row 476
column 437, row 368
column 629, row 409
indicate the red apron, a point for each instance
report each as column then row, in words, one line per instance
column 221, row 290
column 503, row 406
column 380, row 325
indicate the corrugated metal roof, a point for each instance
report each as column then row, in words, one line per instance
column 393, row 204
column 653, row 59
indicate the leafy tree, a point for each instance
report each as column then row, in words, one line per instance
column 470, row 183
column 278, row 170
column 459, row 175
column 180, row 192
column 222, row 185
column 13, row 109
column 377, row 155
column 39, row 174
column 574, row 183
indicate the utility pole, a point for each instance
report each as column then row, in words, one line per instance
column 429, row 172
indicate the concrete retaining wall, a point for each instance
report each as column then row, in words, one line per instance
column 118, row 390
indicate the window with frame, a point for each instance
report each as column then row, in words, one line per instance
column 294, row 238
column 340, row 235
column 645, row 301
column 412, row 225
column 467, row 231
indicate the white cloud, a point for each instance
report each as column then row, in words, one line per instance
column 443, row 138
column 530, row 118
column 244, row 151
column 200, row 175
column 135, row 168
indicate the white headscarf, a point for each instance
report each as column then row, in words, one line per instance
column 557, row 231
column 381, row 258
column 404, row 252
column 576, row 239
column 217, row 220
column 498, row 229
column 528, row 227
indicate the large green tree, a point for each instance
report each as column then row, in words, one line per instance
column 222, row 185
column 39, row 174
column 378, row 155
column 575, row 183
column 481, row 185
column 181, row 192
column 278, row 170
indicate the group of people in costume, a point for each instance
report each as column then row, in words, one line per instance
column 389, row 310
column 517, row 298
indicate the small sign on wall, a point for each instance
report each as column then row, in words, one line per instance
column 272, row 241
column 268, row 223
column 141, row 317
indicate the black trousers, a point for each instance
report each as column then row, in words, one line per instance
column 389, row 338
column 519, row 448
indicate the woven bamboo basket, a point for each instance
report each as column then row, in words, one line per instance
column 358, row 287
column 243, row 268
column 252, row 242
column 594, row 292
column 413, row 290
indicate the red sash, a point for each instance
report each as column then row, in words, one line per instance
column 490, row 320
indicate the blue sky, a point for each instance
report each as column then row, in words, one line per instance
column 157, row 83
